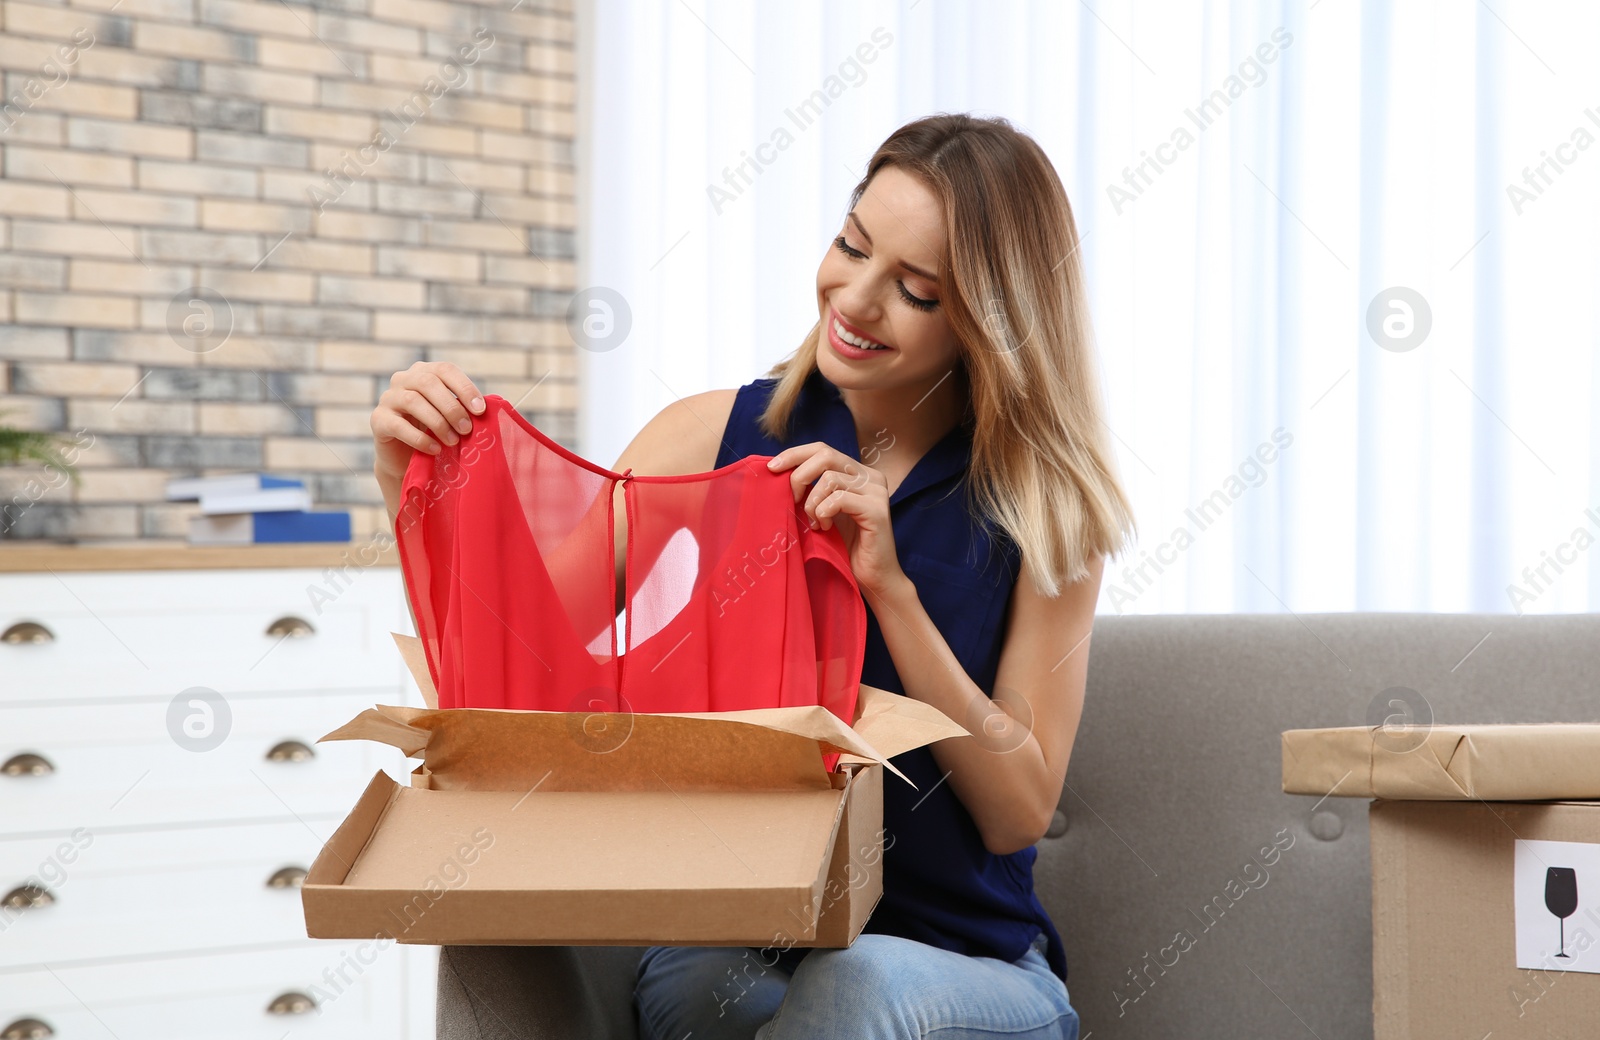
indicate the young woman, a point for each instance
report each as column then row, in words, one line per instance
column 952, row 354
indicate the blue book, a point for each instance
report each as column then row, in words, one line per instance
column 262, row 528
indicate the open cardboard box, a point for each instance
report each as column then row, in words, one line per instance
column 577, row 828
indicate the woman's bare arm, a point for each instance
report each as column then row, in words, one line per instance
column 1009, row 775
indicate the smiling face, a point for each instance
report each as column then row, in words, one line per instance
column 879, row 280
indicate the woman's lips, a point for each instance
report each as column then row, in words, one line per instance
column 850, row 350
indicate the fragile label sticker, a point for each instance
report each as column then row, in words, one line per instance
column 1556, row 896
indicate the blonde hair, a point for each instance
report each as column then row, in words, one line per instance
column 1012, row 289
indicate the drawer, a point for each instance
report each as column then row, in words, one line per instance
column 146, row 633
column 303, row 716
column 356, row 988
column 109, row 853
column 160, row 784
column 156, row 892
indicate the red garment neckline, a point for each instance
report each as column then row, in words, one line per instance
column 593, row 467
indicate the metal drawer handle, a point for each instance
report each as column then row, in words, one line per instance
column 27, row 897
column 289, row 625
column 289, row 751
column 27, row 1029
column 291, row 1003
column 287, row 877
column 28, row 632
column 26, row 763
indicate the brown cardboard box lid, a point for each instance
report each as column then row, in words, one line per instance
column 761, row 748
column 1513, row 762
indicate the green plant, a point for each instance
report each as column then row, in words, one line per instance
column 20, row 446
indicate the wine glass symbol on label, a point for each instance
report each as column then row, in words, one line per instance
column 1561, row 899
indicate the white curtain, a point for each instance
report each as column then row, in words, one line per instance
column 1343, row 258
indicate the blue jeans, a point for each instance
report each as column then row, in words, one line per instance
column 882, row 987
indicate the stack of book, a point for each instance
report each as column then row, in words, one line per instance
column 249, row 508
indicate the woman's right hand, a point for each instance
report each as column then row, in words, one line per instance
column 425, row 405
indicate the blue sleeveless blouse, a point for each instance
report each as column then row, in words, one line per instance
column 940, row 885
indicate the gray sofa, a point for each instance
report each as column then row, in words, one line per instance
column 1173, row 790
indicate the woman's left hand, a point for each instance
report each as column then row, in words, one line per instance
column 852, row 495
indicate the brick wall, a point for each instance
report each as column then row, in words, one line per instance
column 340, row 187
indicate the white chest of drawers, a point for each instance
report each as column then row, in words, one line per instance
column 162, row 792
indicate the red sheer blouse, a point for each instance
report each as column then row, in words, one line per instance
column 731, row 601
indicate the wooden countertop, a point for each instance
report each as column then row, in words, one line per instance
column 23, row 556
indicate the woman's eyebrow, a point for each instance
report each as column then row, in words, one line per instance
column 914, row 270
